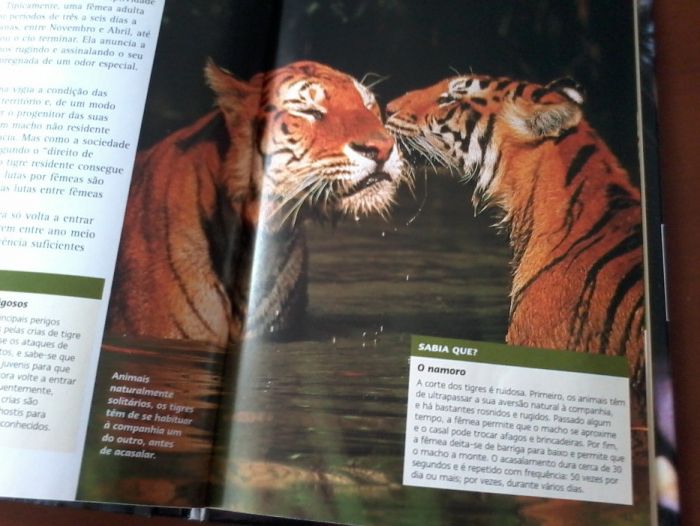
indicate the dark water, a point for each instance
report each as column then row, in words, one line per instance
column 318, row 424
column 176, row 474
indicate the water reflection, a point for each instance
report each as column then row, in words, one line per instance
column 175, row 472
column 319, row 421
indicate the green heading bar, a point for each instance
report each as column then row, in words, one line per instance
column 501, row 354
column 56, row 284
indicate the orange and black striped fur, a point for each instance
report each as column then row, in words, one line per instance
column 573, row 214
column 302, row 140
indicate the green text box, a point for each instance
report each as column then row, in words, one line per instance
column 56, row 284
column 501, row 354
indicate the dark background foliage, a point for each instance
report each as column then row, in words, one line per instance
column 412, row 42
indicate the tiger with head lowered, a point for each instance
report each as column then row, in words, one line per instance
column 572, row 213
column 302, row 140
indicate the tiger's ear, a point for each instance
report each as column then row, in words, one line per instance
column 550, row 111
column 234, row 97
column 569, row 88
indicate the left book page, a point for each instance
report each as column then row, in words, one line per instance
column 73, row 83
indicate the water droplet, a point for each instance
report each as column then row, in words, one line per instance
column 364, row 334
column 357, row 219
column 375, row 342
column 363, row 345
column 272, row 328
column 333, row 340
column 381, row 328
column 407, row 277
column 277, row 313
column 383, row 234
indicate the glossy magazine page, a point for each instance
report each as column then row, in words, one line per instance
column 446, row 320
column 180, row 284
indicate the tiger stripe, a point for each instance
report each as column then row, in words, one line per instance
column 582, row 156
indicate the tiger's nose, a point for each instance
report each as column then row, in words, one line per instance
column 378, row 148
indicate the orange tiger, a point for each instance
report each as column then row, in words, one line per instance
column 572, row 212
column 300, row 141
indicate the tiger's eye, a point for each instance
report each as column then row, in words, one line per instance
column 313, row 112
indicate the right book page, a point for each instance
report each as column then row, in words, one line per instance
column 448, row 319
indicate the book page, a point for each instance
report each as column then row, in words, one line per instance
column 74, row 80
column 475, row 351
column 180, row 279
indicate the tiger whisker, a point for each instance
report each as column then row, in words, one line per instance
column 293, row 194
column 294, row 209
column 372, row 84
column 321, row 187
column 417, row 144
column 425, row 198
column 300, row 193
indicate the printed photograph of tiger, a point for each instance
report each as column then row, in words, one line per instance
column 572, row 212
column 335, row 193
column 303, row 140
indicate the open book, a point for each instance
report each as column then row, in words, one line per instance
column 353, row 261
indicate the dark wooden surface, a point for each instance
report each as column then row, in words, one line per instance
column 678, row 77
column 678, row 73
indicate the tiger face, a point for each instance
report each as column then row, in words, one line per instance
column 318, row 139
column 466, row 122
